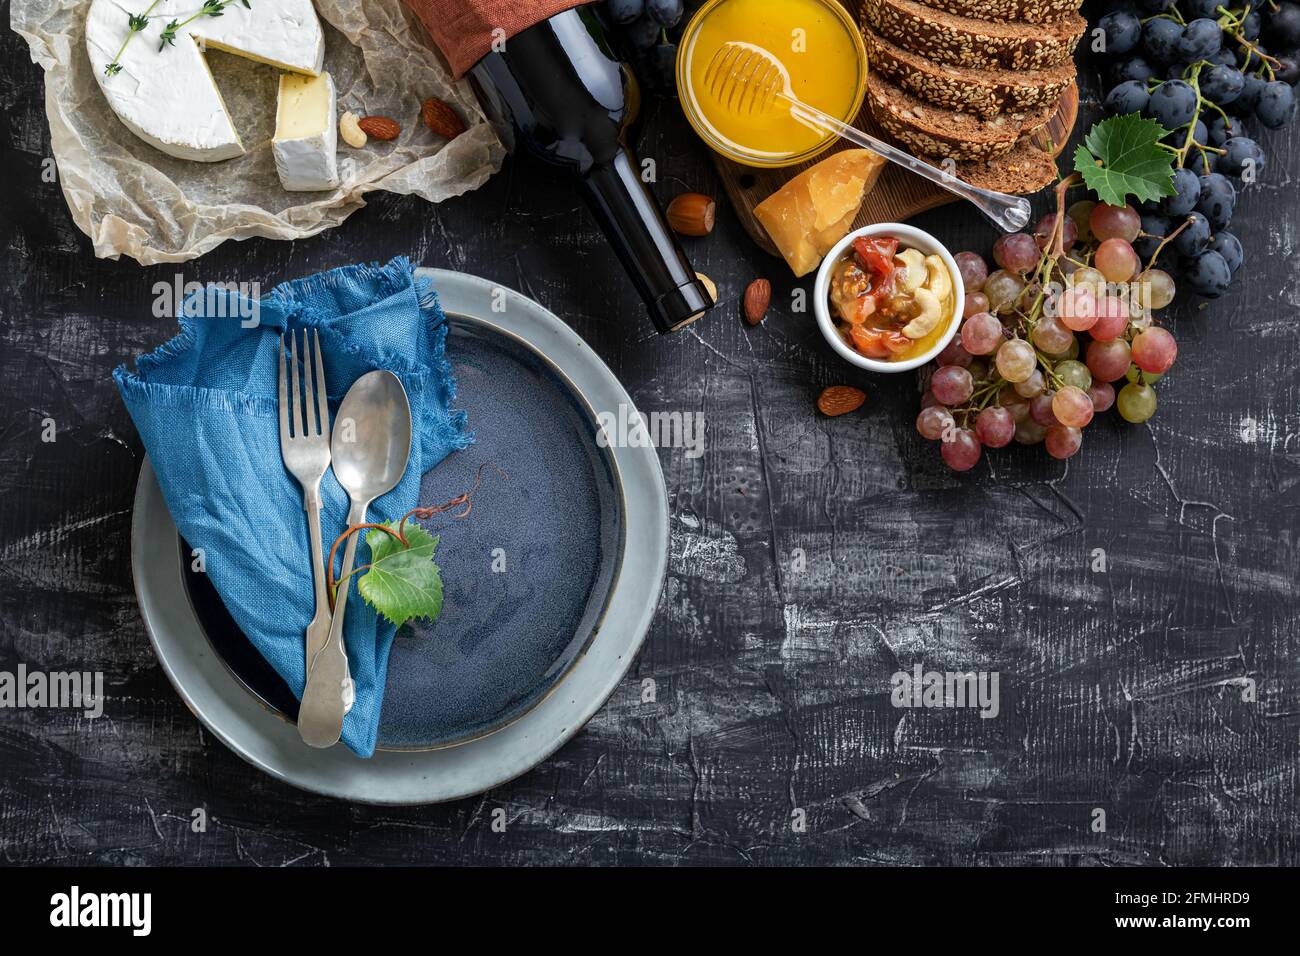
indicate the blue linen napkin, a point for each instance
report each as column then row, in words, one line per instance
column 205, row 404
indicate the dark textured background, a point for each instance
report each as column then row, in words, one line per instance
column 1120, row 690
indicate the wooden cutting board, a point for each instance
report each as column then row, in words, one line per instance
column 897, row 196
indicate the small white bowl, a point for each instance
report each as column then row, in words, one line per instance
column 907, row 236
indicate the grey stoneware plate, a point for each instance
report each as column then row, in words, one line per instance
column 519, row 660
column 528, row 573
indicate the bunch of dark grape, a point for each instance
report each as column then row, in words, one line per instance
column 1207, row 71
column 648, row 30
column 1046, row 337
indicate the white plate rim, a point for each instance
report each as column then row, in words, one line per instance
column 399, row 778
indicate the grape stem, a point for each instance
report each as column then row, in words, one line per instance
column 981, row 395
column 1166, row 240
column 1171, row 14
column 1231, row 23
column 1058, row 233
column 1049, row 374
column 1053, row 251
column 1266, row 62
column 1194, row 80
column 1192, row 76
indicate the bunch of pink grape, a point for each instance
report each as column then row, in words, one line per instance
column 1045, row 337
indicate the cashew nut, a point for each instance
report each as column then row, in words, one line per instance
column 351, row 132
column 940, row 281
column 913, row 268
column 931, row 313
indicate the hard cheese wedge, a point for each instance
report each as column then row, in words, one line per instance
column 813, row 211
column 167, row 96
column 305, row 133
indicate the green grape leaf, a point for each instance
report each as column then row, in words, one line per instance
column 1122, row 156
column 402, row 583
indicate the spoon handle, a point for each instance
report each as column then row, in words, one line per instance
column 324, row 704
column 319, row 628
column 1009, row 213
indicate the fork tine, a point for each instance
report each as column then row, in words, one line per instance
column 293, row 383
column 322, row 399
column 309, row 391
column 284, row 396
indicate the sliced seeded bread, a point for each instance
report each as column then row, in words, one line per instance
column 980, row 44
column 935, row 131
column 982, row 92
column 1008, row 11
column 1025, row 169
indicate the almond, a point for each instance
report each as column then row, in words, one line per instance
column 441, row 118
column 758, row 296
column 840, row 400
column 692, row 214
column 709, row 286
column 380, row 127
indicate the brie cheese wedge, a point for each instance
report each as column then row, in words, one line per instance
column 306, row 134
column 167, row 96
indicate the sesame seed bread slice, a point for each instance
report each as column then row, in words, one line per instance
column 1025, row 169
column 982, row 92
column 1008, row 11
column 936, row 131
column 980, row 44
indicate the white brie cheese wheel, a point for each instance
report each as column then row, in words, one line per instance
column 306, row 135
column 167, row 96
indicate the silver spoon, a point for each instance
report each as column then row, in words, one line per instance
column 370, row 446
column 746, row 79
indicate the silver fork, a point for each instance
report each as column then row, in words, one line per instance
column 306, row 453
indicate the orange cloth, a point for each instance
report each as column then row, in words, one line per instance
column 464, row 29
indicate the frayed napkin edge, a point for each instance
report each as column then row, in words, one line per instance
column 391, row 278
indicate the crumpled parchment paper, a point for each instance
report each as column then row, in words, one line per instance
column 133, row 200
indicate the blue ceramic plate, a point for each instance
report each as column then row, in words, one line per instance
column 538, row 694
column 528, row 573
